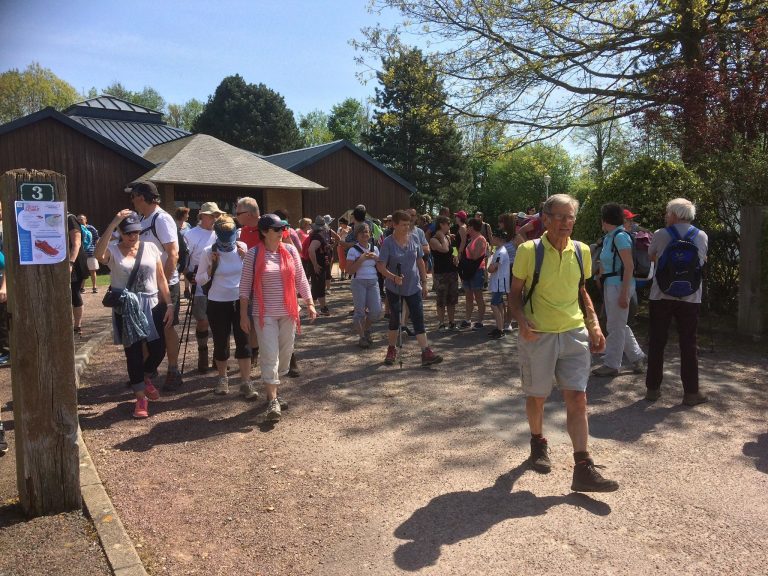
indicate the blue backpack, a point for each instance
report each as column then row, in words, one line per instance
column 679, row 270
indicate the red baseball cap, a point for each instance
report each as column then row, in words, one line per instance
column 461, row 214
column 628, row 215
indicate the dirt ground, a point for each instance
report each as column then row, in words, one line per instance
column 387, row 470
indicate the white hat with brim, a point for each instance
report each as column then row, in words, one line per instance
column 210, row 208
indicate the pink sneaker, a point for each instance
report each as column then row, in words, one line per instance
column 141, row 410
column 149, row 389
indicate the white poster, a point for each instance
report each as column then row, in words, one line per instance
column 42, row 233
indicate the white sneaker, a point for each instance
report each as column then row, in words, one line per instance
column 222, row 387
column 248, row 392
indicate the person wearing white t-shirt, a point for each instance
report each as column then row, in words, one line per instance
column 498, row 283
column 159, row 228
column 361, row 265
column 198, row 239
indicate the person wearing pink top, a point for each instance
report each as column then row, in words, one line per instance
column 272, row 278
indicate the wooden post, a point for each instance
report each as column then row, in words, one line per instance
column 43, row 365
column 753, row 287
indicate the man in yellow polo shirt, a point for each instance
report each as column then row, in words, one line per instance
column 554, row 343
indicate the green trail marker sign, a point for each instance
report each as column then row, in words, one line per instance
column 37, row 191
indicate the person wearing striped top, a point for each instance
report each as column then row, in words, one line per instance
column 271, row 280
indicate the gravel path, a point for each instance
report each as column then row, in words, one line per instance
column 382, row 470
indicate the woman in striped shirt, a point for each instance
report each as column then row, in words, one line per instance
column 271, row 280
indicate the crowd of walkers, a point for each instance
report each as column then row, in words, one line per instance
column 250, row 282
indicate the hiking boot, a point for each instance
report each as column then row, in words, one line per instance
column 452, row 327
column 465, row 324
column 3, row 443
column 202, row 359
column 247, row 391
column 639, row 366
column 149, row 389
column 293, row 368
column 442, row 327
column 495, row 334
column 324, row 311
column 273, row 411
column 539, row 458
column 222, row 387
column 363, row 342
column 477, row 326
column 141, row 410
column 391, row 356
column 587, row 479
column 652, row 394
column 604, row 370
column 694, row 399
column 428, row 357
column 173, row 380
column 283, row 403
column 369, row 336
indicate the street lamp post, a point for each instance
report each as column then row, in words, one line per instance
column 547, row 180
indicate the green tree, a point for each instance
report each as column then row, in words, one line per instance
column 313, row 128
column 184, row 115
column 412, row 133
column 249, row 116
column 547, row 67
column 147, row 97
column 23, row 93
column 348, row 121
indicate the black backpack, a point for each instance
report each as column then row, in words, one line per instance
column 181, row 263
column 679, row 270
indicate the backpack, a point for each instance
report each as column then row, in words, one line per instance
column 641, row 241
column 305, row 247
column 183, row 260
column 539, row 248
column 679, row 271
column 87, row 237
column 467, row 266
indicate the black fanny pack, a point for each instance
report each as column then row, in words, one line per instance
column 114, row 296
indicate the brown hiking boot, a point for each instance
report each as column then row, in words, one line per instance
column 539, row 458
column 694, row 399
column 428, row 357
column 587, row 479
column 391, row 356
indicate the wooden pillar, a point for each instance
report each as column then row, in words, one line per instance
column 43, row 373
column 168, row 198
column 753, row 271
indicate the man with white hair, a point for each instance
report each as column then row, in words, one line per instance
column 665, row 303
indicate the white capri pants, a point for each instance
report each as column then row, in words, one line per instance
column 276, row 339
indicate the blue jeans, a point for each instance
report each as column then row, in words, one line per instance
column 415, row 308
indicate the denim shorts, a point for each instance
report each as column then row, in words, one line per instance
column 477, row 281
column 497, row 298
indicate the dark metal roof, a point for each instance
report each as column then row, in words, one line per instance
column 296, row 160
column 86, row 131
column 106, row 106
column 137, row 137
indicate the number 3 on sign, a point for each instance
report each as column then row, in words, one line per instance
column 30, row 191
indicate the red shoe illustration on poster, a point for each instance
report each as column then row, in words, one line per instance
column 46, row 248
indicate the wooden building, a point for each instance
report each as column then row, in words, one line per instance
column 351, row 176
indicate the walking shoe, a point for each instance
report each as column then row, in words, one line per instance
column 293, row 368
column 46, row 248
column 173, row 380
column 141, row 410
column 452, row 327
column 5, row 360
column 283, row 403
column 495, row 334
column 369, row 336
column 652, row 394
column 428, row 357
column 222, row 387
column 94, row 290
column 694, row 399
column 477, row 326
column 539, row 458
column 465, row 324
column 247, row 391
column 363, row 342
column 638, row 367
column 149, row 389
column 391, row 356
column 202, row 359
column 604, row 370
column 442, row 327
column 324, row 311
column 3, row 443
column 82, row 290
column 587, row 479
column 273, row 411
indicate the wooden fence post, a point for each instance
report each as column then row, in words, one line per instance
column 753, row 290
column 42, row 364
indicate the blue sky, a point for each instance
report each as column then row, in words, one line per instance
column 183, row 49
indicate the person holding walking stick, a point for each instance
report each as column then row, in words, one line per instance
column 405, row 275
column 140, row 300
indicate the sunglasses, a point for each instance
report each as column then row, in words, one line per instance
column 240, row 213
column 131, row 233
column 280, row 229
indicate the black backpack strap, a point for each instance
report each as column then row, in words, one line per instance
column 538, row 247
column 135, row 270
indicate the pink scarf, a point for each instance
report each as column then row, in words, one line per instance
column 288, row 272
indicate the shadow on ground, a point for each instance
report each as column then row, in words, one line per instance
column 759, row 452
column 457, row 516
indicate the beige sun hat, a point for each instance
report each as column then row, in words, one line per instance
column 210, row 208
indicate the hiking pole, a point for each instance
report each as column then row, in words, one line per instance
column 400, row 322
column 185, row 327
column 705, row 295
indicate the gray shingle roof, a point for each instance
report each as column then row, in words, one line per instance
column 296, row 160
column 203, row 159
